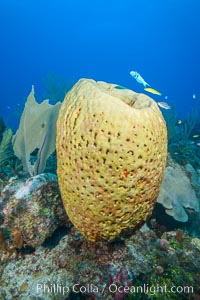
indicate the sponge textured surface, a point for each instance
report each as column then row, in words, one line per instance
column 111, row 154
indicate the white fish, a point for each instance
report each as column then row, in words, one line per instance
column 139, row 78
column 164, row 105
column 194, row 96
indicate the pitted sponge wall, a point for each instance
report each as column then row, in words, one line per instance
column 111, row 152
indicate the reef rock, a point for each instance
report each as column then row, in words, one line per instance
column 31, row 210
column 79, row 269
column 111, row 153
column 176, row 194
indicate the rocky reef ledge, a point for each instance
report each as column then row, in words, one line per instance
column 79, row 269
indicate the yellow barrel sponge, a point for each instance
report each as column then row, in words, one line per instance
column 111, row 153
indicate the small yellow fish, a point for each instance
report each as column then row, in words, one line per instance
column 164, row 105
column 153, row 91
column 179, row 122
column 195, row 136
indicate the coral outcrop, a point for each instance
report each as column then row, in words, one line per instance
column 111, row 152
column 79, row 269
column 30, row 211
column 176, row 193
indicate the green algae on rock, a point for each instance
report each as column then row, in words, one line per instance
column 111, row 152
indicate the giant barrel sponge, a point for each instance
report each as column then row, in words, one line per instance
column 111, row 155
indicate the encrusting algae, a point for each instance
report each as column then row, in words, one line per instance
column 111, row 153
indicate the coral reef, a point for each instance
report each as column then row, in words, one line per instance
column 36, row 131
column 180, row 131
column 79, row 269
column 8, row 162
column 31, row 210
column 111, row 153
column 184, row 137
column 184, row 152
column 6, row 151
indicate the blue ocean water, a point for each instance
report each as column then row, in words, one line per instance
column 99, row 39
column 51, row 44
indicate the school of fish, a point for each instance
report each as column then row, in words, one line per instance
column 148, row 88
